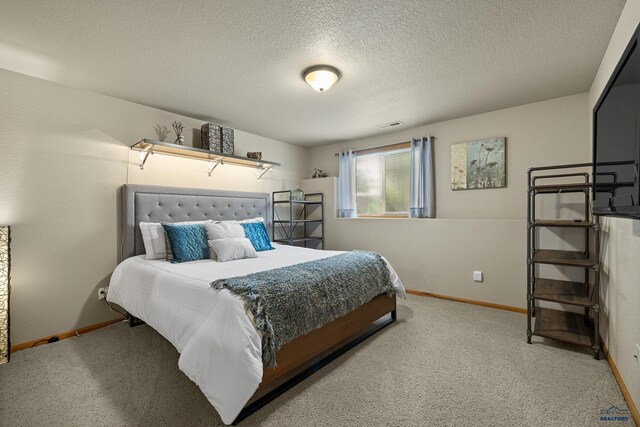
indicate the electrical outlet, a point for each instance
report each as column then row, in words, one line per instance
column 637, row 356
column 477, row 276
column 102, row 293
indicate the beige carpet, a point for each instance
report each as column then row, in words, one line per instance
column 441, row 364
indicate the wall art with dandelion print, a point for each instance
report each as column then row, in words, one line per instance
column 479, row 164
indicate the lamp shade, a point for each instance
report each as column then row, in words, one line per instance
column 321, row 77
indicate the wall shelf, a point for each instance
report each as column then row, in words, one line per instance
column 149, row 146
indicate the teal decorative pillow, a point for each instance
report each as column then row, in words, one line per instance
column 187, row 242
column 256, row 232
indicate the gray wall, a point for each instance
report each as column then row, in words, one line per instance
column 475, row 229
column 63, row 155
column 621, row 249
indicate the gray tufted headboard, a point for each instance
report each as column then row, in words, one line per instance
column 169, row 204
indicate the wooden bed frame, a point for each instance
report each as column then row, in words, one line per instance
column 297, row 359
column 307, row 354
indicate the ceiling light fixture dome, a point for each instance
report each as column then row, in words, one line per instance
column 321, row 77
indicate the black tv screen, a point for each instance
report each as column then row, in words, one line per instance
column 616, row 139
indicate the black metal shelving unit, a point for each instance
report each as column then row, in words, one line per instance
column 299, row 225
column 566, row 326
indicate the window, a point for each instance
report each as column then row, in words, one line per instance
column 382, row 181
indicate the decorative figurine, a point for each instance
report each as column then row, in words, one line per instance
column 162, row 132
column 257, row 155
column 318, row 174
column 178, row 128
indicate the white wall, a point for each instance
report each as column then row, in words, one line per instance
column 63, row 155
column 475, row 229
column 621, row 251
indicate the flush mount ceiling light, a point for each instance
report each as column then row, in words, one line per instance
column 321, row 77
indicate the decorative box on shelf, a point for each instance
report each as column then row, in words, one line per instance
column 217, row 138
column 211, row 137
column 227, row 141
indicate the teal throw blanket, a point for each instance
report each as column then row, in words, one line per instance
column 292, row 301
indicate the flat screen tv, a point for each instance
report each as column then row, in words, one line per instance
column 616, row 139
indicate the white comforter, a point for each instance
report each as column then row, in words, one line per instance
column 220, row 349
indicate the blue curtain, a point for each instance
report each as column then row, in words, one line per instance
column 421, row 190
column 347, row 185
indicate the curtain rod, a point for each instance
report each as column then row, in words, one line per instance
column 382, row 146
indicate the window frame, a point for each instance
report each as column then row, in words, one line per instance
column 378, row 150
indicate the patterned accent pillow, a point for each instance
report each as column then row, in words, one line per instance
column 155, row 241
column 188, row 242
column 256, row 232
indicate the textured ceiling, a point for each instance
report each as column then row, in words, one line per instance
column 239, row 63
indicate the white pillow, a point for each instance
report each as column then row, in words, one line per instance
column 244, row 221
column 250, row 220
column 224, row 230
column 153, row 238
column 229, row 249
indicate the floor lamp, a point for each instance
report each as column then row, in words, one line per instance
column 5, row 270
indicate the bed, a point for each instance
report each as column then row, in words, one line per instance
column 219, row 346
